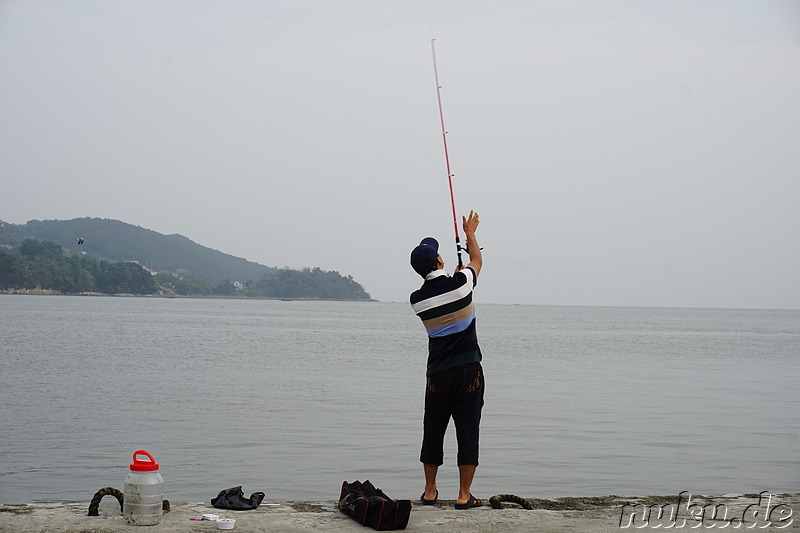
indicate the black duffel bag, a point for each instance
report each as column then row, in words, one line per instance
column 369, row 506
column 233, row 499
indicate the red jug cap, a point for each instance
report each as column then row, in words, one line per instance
column 143, row 466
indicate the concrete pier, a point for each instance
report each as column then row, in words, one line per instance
column 742, row 512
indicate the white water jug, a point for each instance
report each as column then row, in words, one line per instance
column 144, row 492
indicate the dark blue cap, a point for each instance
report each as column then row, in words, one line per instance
column 424, row 256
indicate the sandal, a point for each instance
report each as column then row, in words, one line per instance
column 469, row 504
column 429, row 502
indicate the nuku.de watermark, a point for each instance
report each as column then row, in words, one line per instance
column 684, row 513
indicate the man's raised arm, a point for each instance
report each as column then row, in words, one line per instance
column 470, row 226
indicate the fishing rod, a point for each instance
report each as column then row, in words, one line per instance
column 446, row 154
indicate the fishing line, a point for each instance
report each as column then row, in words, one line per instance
column 446, row 153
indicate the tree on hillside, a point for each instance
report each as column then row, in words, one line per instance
column 13, row 272
column 225, row 288
column 31, row 249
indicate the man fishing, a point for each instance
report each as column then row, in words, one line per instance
column 455, row 381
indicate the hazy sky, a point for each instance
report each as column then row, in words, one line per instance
column 619, row 152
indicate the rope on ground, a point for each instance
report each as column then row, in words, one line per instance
column 497, row 501
column 94, row 506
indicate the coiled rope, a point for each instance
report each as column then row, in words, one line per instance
column 497, row 501
column 94, row 506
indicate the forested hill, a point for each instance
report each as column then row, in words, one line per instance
column 115, row 241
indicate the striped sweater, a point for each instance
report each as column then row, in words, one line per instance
column 444, row 304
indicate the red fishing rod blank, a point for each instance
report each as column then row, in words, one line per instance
column 446, row 154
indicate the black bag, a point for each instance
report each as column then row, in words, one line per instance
column 369, row 506
column 234, row 499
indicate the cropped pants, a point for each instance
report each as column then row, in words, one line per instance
column 455, row 393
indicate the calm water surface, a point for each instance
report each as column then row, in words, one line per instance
column 292, row 398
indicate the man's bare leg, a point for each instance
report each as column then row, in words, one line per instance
column 465, row 475
column 430, row 480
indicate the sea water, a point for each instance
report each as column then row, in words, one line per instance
column 293, row 397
